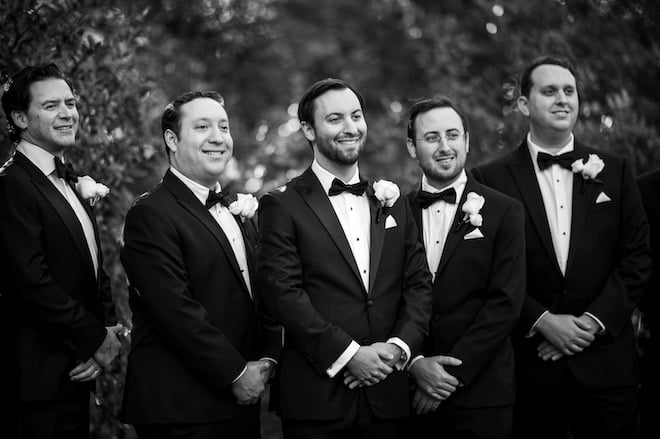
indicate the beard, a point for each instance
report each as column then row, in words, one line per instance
column 334, row 152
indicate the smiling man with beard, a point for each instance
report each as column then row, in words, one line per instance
column 340, row 267
column 588, row 260
column 201, row 352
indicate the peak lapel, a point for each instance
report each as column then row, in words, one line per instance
column 60, row 205
column 189, row 202
column 312, row 193
column 377, row 235
column 582, row 201
column 523, row 173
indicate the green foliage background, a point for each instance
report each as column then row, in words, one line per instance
column 129, row 58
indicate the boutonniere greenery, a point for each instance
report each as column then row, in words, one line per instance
column 90, row 190
column 386, row 193
column 472, row 206
column 588, row 170
column 245, row 206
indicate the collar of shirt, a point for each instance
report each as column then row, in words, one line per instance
column 41, row 158
column 200, row 191
column 326, row 177
column 534, row 150
column 458, row 185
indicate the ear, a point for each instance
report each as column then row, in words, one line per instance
column 523, row 105
column 411, row 148
column 308, row 131
column 171, row 140
column 467, row 142
column 20, row 119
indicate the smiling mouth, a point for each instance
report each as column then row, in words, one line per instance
column 64, row 128
column 214, row 153
column 348, row 142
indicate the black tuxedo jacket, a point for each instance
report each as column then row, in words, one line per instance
column 477, row 296
column 607, row 269
column 58, row 307
column 194, row 323
column 311, row 284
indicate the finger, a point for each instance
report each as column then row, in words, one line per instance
column 448, row 361
column 88, row 374
column 556, row 356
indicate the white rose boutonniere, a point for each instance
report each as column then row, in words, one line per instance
column 90, row 190
column 588, row 170
column 245, row 206
column 386, row 193
column 472, row 206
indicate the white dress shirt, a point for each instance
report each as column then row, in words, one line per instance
column 437, row 220
column 45, row 161
column 556, row 184
column 225, row 220
column 355, row 218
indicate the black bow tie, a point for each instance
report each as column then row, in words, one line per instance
column 65, row 171
column 564, row 160
column 339, row 186
column 425, row 199
column 217, row 197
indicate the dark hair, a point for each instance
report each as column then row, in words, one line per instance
column 426, row 105
column 17, row 92
column 306, row 105
column 171, row 119
column 526, row 76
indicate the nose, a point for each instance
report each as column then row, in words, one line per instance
column 350, row 127
column 65, row 112
column 443, row 143
column 561, row 96
column 215, row 136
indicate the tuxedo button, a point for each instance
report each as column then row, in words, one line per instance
column 370, row 303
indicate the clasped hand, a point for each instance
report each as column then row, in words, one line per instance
column 252, row 384
column 434, row 383
column 371, row 364
column 565, row 335
column 102, row 359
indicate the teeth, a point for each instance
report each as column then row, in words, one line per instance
column 214, row 152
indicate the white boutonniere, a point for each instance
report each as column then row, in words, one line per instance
column 472, row 206
column 245, row 206
column 386, row 193
column 588, row 170
column 90, row 190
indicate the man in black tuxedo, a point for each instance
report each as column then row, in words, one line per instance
column 201, row 353
column 587, row 265
column 59, row 309
column 475, row 248
column 649, row 305
column 340, row 267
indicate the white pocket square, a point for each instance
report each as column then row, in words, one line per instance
column 602, row 198
column 475, row 234
column 390, row 222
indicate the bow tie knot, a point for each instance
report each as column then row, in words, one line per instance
column 65, row 171
column 564, row 160
column 425, row 199
column 217, row 197
column 339, row 186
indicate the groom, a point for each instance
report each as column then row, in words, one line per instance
column 340, row 267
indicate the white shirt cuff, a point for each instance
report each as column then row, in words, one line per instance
column 602, row 327
column 401, row 364
column 344, row 358
column 239, row 375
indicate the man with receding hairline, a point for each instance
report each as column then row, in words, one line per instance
column 588, row 261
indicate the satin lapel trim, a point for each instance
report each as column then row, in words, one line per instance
column 522, row 170
column 581, row 203
column 377, row 236
column 311, row 191
column 188, row 201
column 455, row 237
column 59, row 204
column 417, row 214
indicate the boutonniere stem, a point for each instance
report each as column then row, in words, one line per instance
column 472, row 206
column 90, row 190
column 589, row 170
